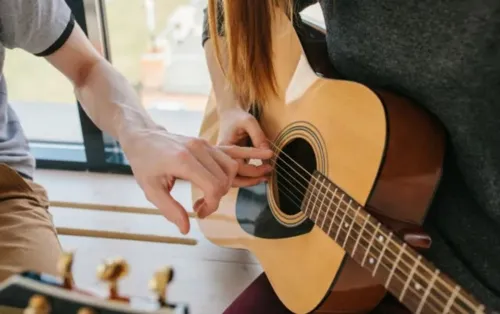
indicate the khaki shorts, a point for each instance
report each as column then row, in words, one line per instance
column 28, row 239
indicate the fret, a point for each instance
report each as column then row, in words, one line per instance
column 322, row 200
column 333, row 216
column 311, row 196
column 394, row 265
column 410, row 277
column 328, row 209
column 353, row 222
column 381, row 255
column 314, row 190
column 360, row 234
column 308, row 198
column 345, row 223
column 451, row 300
column 427, row 291
column 368, row 248
column 340, row 226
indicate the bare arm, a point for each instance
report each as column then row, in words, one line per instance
column 222, row 89
column 106, row 96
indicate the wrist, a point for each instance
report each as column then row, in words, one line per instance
column 130, row 130
column 233, row 106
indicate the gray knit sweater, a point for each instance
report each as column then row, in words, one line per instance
column 444, row 55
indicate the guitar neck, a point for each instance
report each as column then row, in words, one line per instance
column 420, row 286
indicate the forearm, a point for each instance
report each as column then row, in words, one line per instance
column 226, row 99
column 111, row 102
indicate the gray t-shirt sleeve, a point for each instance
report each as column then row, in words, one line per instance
column 39, row 27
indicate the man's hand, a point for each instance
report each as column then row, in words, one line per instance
column 158, row 158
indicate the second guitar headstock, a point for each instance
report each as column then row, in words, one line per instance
column 37, row 293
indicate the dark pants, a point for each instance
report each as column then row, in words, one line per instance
column 259, row 298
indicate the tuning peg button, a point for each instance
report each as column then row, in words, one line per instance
column 111, row 271
column 64, row 266
column 38, row 305
column 86, row 310
column 158, row 284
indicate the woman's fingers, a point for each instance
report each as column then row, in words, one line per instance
column 241, row 152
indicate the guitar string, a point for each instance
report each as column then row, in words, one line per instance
column 396, row 277
column 443, row 283
column 444, row 294
column 385, row 265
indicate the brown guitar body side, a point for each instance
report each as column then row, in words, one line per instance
column 401, row 196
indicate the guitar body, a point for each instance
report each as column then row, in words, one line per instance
column 379, row 148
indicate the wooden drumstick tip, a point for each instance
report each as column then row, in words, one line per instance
column 38, row 305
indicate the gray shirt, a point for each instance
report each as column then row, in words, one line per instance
column 444, row 55
column 39, row 27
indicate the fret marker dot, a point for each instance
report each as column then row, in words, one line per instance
column 381, row 239
column 418, row 286
column 346, row 225
column 371, row 260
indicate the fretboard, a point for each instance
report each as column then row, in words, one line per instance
column 420, row 286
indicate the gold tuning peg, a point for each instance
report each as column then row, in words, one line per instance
column 158, row 284
column 110, row 271
column 38, row 305
column 65, row 266
column 86, row 310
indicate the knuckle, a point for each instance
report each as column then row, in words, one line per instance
column 233, row 168
column 220, row 187
column 196, row 143
column 183, row 154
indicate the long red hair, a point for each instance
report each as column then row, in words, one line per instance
column 248, row 42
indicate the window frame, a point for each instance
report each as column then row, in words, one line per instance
column 98, row 152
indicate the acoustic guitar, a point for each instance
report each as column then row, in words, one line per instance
column 354, row 169
column 36, row 293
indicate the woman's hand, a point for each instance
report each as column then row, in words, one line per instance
column 158, row 158
column 236, row 127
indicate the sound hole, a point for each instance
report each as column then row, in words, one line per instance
column 294, row 167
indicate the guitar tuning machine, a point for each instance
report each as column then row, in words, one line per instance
column 86, row 310
column 111, row 271
column 64, row 267
column 158, row 284
column 38, row 305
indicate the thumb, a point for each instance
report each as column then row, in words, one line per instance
column 159, row 195
column 255, row 133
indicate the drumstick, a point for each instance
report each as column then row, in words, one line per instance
column 125, row 236
column 112, row 208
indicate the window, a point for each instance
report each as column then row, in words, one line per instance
column 160, row 53
column 45, row 103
